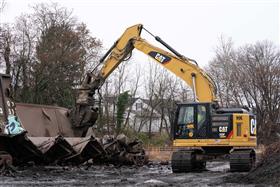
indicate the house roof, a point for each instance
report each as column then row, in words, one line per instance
column 114, row 99
column 159, row 105
column 145, row 113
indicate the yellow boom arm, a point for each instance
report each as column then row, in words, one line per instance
column 195, row 77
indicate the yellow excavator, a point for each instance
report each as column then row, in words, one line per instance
column 201, row 131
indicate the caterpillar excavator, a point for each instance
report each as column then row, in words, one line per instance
column 201, row 131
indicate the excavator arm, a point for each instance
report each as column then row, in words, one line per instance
column 202, row 85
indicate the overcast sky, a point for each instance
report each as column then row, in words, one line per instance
column 192, row 27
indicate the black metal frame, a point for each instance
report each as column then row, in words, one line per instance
column 207, row 122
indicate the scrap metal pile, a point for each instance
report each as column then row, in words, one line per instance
column 43, row 135
column 74, row 151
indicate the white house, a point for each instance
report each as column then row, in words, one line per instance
column 141, row 114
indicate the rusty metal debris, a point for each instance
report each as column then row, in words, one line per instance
column 44, row 135
column 74, row 151
column 6, row 160
column 121, row 151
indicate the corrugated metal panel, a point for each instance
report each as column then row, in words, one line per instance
column 45, row 121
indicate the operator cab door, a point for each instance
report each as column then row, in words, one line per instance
column 192, row 121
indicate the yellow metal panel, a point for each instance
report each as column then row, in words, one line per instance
column 120, row 50
column 242, row 119
column 212, row 142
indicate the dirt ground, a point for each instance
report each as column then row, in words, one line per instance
column 267, row 169
column 150, row 175
column 156, row 173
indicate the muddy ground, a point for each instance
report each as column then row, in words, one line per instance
column 150, row 175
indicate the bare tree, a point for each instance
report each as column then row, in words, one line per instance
column 222, row 70
column 3, row 3
column 250, row 75
column 134, row 87
column 170, row 90
column 5, row 46
column 24, row 57
column 114, row 85
column 150, row 93
column 259, row 78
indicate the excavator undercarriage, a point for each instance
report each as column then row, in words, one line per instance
column 189, row 160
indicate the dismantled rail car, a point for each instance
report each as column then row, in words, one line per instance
column 40, row 134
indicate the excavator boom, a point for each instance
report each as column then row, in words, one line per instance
column 203, row 87
column 176, row 63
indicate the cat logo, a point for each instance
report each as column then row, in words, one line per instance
column 223, row 129
column 253, row 127
column 159, row 57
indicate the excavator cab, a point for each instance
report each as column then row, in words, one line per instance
column 192, row 121
column 204, row 122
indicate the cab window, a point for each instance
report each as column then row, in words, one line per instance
column 186, row 115
column 201, row 115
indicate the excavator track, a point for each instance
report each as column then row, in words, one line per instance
column 186, row 161
column 242, row 160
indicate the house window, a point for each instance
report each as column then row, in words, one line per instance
column 138, row 106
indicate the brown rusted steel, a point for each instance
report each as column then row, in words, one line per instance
column 54, row 149
column 60, row 150
column 86, row 148
column 21, row 149
column 45, row 121
column 6, row 160
column 69, row 150
column 52, row 138
column 121, row 151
